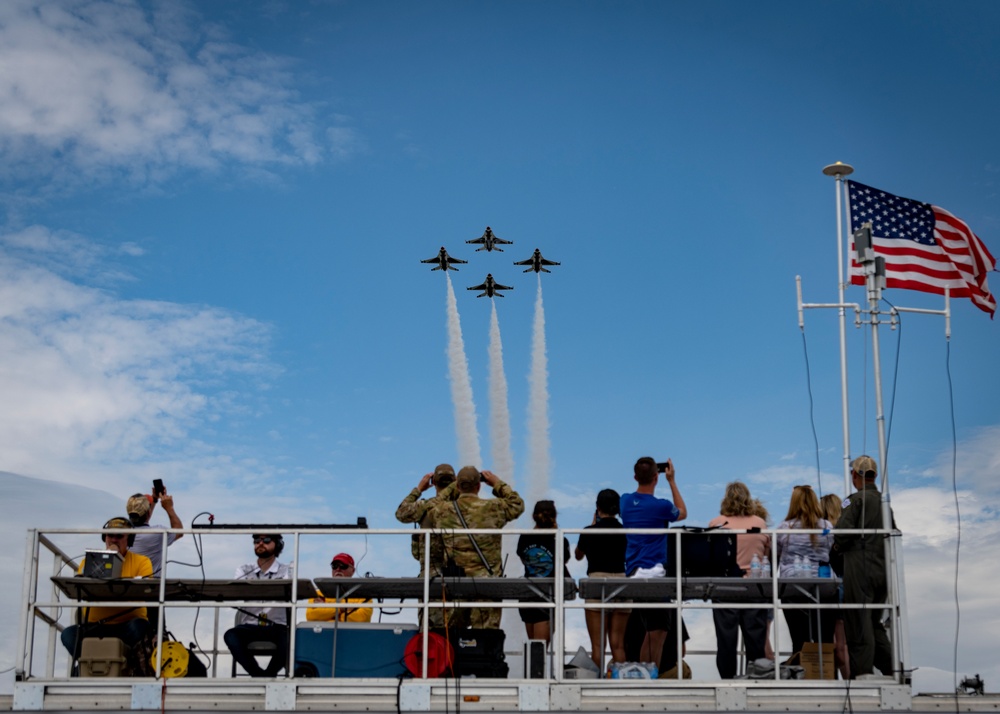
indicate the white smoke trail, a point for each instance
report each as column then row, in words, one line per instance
column 538, row 408
column 503, row 456
column 461, row 388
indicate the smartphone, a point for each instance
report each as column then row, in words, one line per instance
column 158, row 489
column 661, row 466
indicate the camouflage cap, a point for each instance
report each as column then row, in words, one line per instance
column 468, row 474
column 140, row 504
column 443, row 474
column 865, row 466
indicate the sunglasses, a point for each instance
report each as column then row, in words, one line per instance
column 338, row 565
column 263, row 539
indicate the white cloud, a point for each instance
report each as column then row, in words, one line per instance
column 89, row 377
column 345, row 142
column 111, row 88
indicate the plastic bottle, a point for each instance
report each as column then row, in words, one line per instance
column 765, row 570
column 797, row 570
column 755, row 566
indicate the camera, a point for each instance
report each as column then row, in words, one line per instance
column 661, row 466
column 158, row 489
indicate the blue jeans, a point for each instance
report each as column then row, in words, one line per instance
column 129, row 632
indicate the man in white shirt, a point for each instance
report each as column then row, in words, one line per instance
column 139, row 508
column 261, row 624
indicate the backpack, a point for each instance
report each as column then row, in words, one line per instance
column 538, row 562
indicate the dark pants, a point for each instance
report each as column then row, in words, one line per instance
column 867, row 641
column 642, row 621
column 129, row 632
column 802, row 627
column 240, row 637
column 728, row 624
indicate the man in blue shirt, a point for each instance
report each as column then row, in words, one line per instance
column 644, row 510
column 646, row 554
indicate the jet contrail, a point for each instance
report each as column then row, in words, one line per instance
column 461, row 388
column 538, row 408
column 503, row 456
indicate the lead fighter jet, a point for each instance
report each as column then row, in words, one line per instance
column 536, row 261
column 490, row 288
column 443, row 260
column 489, row 241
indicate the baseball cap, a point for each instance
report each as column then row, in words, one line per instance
column 343, row 558
column 140, row 504
column 443, row 474
column 468, row 474
column 865, row 465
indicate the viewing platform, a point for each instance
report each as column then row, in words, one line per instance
column 203, row 606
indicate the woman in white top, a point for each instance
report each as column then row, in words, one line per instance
column 813, row 548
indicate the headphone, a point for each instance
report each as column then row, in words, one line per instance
column 279, row 543
column 119, row 522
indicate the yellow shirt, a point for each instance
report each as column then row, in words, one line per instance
column 328, row 614
column 134, row 566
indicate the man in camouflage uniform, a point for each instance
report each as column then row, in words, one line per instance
column 463, row 496
column 414, row 509
column 864, row 572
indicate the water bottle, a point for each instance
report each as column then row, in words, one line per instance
column 797, row 570
column 755, row 566
column 765, row 570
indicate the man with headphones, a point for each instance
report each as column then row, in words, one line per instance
column 128, row 624
column 261, row 624
column 140, row 509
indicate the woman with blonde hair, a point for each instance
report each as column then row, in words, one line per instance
column 737, row 512
column 813, row 548
column 831, row 505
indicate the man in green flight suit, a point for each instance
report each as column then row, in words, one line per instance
column 864, row 572
column 459, row 507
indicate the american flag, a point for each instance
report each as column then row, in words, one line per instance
column 925, row 247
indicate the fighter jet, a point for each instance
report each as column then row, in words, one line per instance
column 443, row 260
column 536, row 261
column 489, row 241
column 490, row 288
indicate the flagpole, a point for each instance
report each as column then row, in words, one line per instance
column 874, row 269
column 839, row 170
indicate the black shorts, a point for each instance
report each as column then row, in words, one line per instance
column 533, row 615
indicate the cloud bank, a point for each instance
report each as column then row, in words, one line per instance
column 137, row 91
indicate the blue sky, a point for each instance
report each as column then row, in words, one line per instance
column 211, row 217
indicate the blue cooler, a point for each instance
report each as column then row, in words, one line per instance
column 364, row 649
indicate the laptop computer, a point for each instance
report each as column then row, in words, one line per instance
column 106, row 564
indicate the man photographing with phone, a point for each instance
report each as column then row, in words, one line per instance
column 140, row 509
column 646, row 554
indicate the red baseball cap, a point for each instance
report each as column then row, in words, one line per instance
column 343, row 558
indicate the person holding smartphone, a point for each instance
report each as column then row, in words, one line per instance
column 139, row 508
column 646, row 554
